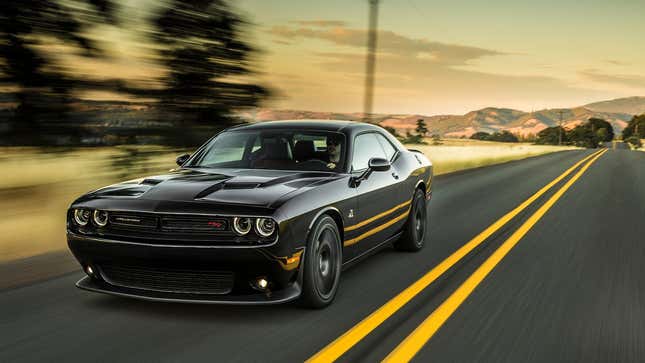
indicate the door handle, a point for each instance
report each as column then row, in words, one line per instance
column 395, row 175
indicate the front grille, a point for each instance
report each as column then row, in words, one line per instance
column 175, row 229
column 193, row 224
column 169, row 280
column 140, row 221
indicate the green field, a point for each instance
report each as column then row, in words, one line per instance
column 39, row 184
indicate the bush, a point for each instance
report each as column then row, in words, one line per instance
column 635, row 141
column 551, row 136
column 636, row 127
column 480, row 136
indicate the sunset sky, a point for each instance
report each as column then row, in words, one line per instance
column 435, row 57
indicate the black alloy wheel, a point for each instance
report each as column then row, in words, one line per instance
column 414, row 231
column 322, row 265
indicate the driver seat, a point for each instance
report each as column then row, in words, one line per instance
column 304, row 150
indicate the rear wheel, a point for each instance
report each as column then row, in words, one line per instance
column 414, row 231
column 322, row 265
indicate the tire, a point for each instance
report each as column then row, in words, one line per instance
column 322, row 265
column 415, row 229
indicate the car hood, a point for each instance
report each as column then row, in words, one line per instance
column 227, row 186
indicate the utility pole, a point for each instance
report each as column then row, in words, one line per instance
column 560, row 129
column 371, row 58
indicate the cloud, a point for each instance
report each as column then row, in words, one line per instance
column 631, row 80
column 320, row 23
column 413, row 75
column 616, row 62
column 389, row 42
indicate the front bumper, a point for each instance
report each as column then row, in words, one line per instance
column 290, row 293
column 192, row 266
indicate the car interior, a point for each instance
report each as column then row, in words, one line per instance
column 284, row 154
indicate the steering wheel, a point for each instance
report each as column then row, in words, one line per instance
column 315, row 163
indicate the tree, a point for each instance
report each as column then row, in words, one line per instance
column 207, row 60
column 480, row 135
column 40, row 86
column 436, row 139
column 422, row 128
column 635, row 127
column 503, row 136
column 597, row 125
column 583, row 136
column 551, row 136
column 591, row 133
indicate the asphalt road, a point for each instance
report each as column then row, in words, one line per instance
column 572, row 289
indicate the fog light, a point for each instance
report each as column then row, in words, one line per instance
column 260, row 284
column 89, row 271
column 263, row 283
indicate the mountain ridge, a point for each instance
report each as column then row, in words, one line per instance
column 489, row 119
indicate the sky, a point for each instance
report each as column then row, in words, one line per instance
column 434, row 57
column 438, row 57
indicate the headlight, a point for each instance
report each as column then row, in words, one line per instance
column 242, row 225
column 82, row 216
column 264, row 226
column 100, row 218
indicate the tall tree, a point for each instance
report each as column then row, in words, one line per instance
column 636, row 127
column 41, row 87
column 207, row 60
column 422, row 128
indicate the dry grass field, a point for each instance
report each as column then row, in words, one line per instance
column 458, row 154
column 39, row 184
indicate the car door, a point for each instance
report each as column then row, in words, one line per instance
column 378, row 197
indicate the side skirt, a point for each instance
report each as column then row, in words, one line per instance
column 371, row 251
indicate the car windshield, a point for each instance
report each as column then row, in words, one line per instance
column 274, row 149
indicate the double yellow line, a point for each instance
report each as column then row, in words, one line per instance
column 415, row 341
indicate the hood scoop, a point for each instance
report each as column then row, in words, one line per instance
column 219, row 186
column 150, row 181
column 241, row 185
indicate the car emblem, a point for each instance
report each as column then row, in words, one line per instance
column 124, row 219
column 215, row 224
column 351, row 214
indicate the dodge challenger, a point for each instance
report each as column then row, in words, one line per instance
column 261, row 213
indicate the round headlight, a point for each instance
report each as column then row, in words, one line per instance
column 242, row 225
column 100, row 218
column 82, row 216
column 265, row 226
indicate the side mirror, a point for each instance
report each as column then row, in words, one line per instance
column 379, row 164
column 181, row 159
column 375, row 164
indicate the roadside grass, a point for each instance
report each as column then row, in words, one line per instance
column 38, row 185
column 454, row 155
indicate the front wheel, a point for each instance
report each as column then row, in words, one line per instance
column 414, row 231
column 322, row 265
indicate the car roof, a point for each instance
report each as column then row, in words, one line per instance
column 307, row 124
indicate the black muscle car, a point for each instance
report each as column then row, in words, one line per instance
column 261, row 213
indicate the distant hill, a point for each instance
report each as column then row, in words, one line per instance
column 629, row 105
column 489, row 119
column 120, row 114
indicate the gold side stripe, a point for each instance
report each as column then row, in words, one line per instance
column 380, row 215
column 376, row 230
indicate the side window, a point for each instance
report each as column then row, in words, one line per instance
column 387, row 146
column 366, row 146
